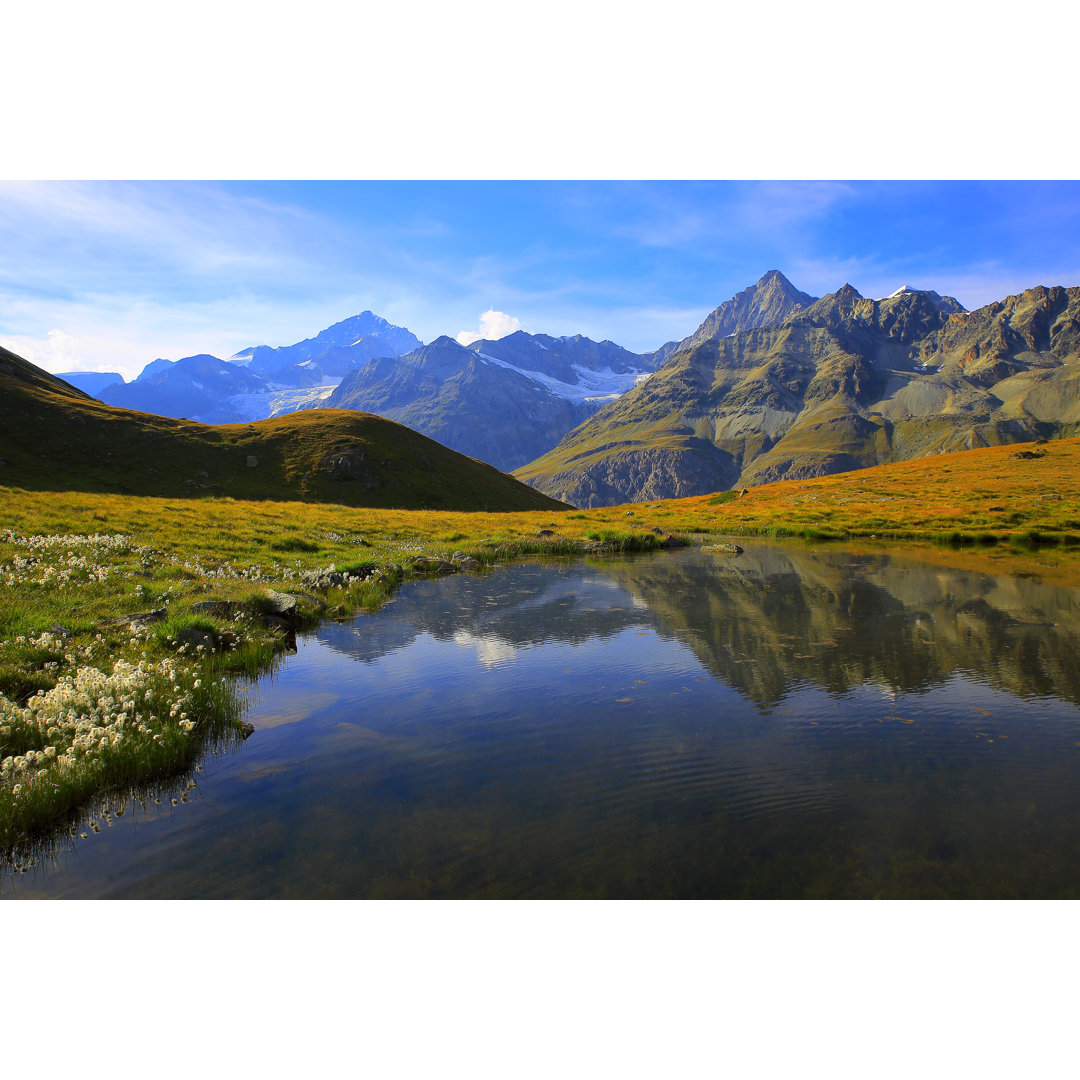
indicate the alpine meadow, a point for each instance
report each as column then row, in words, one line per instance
column 513, row 614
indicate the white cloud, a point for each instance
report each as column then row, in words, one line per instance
column 58, row 351
column 493, row 325
column 490, row 650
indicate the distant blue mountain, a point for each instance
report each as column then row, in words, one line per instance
column 196, row 387
column 503, row 400
column 343, row 347
column 91, row 382
column 260, row 381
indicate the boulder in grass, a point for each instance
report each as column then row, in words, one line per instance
column 465, row 562
column 433, row 566
column 196, row 638
column 218, row 609
column 281, row 603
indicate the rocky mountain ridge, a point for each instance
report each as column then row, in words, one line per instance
column 769, row 300
column 839, row 384
column 504, row 401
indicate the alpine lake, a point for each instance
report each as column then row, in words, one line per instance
column 788, row 722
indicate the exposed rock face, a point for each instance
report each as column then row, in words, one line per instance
column 843, row 383
column 773, row 299
column 351, row 463
column 651, row 473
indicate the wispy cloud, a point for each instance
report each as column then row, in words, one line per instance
column 783, row 204
column 193, row 231
column 109, row 276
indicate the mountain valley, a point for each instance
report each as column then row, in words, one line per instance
column 774, row 384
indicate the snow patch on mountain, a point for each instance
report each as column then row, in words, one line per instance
column 250, row 407
column 948, row 304
column 602, row 385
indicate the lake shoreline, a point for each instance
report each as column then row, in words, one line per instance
column 145, row 591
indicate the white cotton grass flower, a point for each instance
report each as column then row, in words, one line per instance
column 88, row 717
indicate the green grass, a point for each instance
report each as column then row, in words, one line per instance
column 293, row 543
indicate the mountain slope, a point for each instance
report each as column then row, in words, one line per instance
column 55, row 438
column 771, row 299
column 577, row 361
column 503, row 401
column 843, row 383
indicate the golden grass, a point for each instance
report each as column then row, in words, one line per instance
column 987, row 491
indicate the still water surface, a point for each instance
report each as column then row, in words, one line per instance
column 689, row 724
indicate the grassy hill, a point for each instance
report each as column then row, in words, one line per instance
column 55, row 438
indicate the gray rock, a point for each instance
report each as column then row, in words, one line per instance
column 138, row 617
column 281, row 603
column 323, row 579
column 219, row 609
column 196, row 638
column 433, row 566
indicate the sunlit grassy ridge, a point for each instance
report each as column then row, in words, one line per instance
column 1024, row 492
column 94, row 702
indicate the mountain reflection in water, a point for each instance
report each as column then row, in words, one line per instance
column 784, row 723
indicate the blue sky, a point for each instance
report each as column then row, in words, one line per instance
column 106, row 275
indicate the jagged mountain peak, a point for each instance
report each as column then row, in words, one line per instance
column 848, row 382
column 368, row 334
column 771, row 299
column 774, row 278
column 948, row 304
column 445, row 341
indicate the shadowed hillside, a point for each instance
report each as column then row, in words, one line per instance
column 55, row 438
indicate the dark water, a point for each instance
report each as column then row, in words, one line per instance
column 781, row 724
